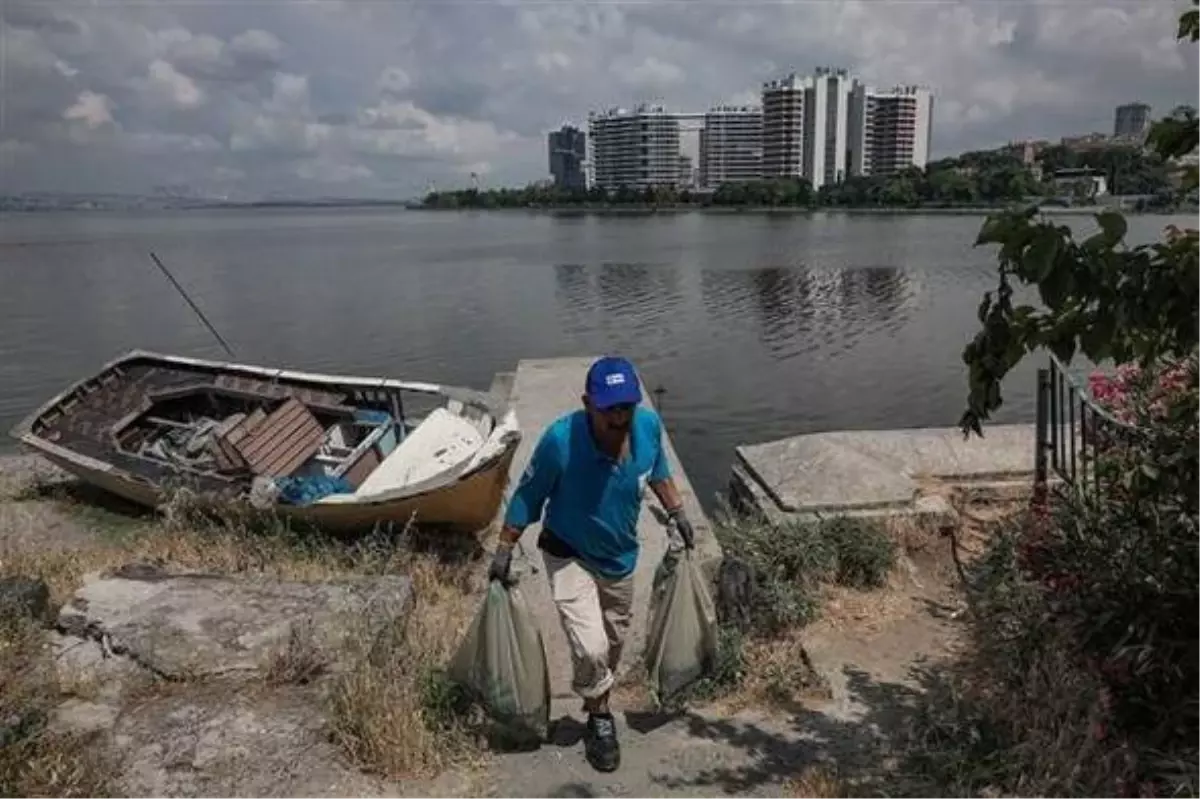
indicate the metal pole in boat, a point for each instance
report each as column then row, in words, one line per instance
column 195, row 307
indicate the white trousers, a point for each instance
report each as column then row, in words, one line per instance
column 595, row 615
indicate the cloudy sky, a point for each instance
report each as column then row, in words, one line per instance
column 381, row 98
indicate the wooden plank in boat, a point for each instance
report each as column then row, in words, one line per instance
column 285, row 439
column 279, row 390
column 362, row 467
column 285, row 423
column 227, row 442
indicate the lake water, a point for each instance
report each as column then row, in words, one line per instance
column 757, row 326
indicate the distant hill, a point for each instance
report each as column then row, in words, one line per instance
column 163, row 200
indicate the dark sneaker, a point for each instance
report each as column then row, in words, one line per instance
column 600, row 743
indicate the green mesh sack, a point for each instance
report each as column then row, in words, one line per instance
column 681, row 642
column 502, row 663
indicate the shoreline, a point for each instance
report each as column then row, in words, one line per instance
column 761, row 210
column 611, row 210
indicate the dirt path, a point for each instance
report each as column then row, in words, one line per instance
column 873, row 649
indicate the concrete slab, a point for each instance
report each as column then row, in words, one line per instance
column 197, row 625
column 542, row 391
column 875, row 470
column 822, row 471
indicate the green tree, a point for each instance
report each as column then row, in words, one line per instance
column 1099, row 297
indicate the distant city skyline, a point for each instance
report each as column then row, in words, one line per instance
column 824, row 127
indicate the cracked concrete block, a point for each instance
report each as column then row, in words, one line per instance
column 193, row 625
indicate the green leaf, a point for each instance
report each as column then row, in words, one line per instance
column 993, row 231
column 1113, row 225
column 969, row 423
column 1042, row 255
column 1053, row 289
column 984, row 306
column 993, row 396
column 1189, row 25
column 1064, row 348
column 1096, row 339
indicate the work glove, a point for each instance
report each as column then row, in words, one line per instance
column 501, row 565
column 686, row 532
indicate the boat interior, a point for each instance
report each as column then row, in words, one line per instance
column 312, row 441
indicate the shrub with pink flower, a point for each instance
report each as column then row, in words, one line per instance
column 1138, row 396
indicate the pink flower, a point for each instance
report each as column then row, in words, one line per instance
column 1128, row 372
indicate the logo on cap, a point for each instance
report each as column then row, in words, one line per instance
column 614, row 380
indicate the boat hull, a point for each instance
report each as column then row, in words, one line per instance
column 471, row 504
column 467, row 497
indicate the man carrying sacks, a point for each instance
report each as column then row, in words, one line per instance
column 585, row 481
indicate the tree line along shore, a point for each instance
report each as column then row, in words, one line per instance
column 974, row 181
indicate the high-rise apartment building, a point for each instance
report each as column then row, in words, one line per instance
column 826, row 123
column 635, row 149
column 1132, row 120
column 889, row 130
column 731, row 145
column 806, row 126
column 783, row 127
column 567, row 148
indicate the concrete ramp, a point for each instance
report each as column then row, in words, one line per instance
column 543, row 390
column 881, row 472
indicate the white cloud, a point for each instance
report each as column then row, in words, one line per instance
column 173, row 86
column 554, row 60
column 289, row 94
column 91, row 109
column 257, row 44
column 401, row 128
column 324, row 171
column 650, row 72
column 157, row 142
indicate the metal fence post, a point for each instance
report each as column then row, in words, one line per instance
column 1041, row 437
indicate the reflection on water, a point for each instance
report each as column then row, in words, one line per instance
column 759, row 327
column 626, row 296
column 802, row 310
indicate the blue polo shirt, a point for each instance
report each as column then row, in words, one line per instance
column 591, row 501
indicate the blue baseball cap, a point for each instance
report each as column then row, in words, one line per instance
column 612, row 381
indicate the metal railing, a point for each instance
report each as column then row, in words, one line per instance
column 1071, row 428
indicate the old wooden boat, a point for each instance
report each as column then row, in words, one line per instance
column 342, row 452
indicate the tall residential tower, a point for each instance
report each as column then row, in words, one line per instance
column 783, row 127
column 731, row 145
column 567, row 148
column 1131, row 120
column 889, row 130
column 826, row 119
column 635, row 149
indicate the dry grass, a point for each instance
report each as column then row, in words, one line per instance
column 819, row 780
column 36, row 760
column 392, row 711
column 191, row 536
column 388, row 709
column 299, row 660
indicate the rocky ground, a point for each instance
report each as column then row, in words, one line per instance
column 199, row 682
